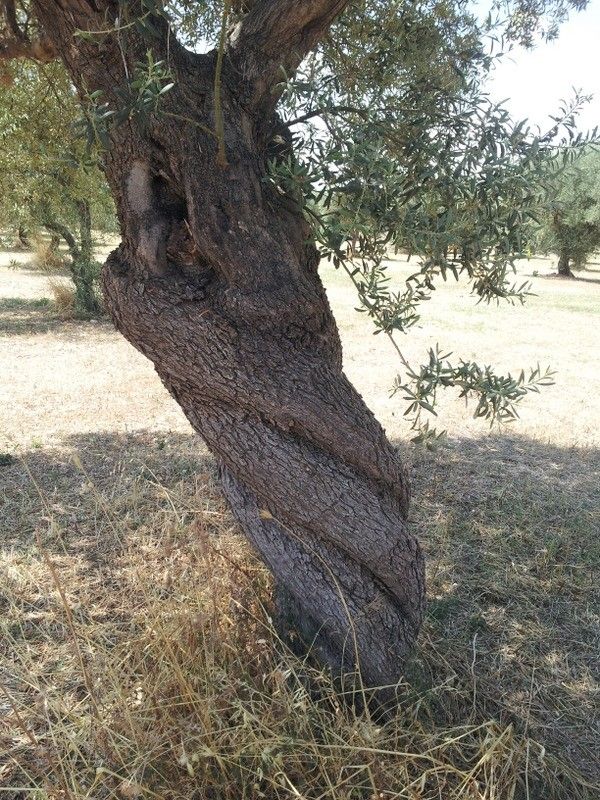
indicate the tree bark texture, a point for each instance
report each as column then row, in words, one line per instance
column 216, row 282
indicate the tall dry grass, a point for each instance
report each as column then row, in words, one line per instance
column 140, row 660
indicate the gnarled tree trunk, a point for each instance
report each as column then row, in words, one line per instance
column 23, row 236
column 216, row 282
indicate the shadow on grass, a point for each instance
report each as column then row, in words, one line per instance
column 24, row 304
column 511, row 532
column 15, row 247
column 25, row 317
column 584, row 275
column 97, row 482
column 22, row 316
column 510, row 527
column 586, row 279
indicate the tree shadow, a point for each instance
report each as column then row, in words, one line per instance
column 14, row 322
column 15, row 247
column 510, row 527
column 24, row 304
column 585, row 279
column 25, row 317
column 571, row 278
column 586, row 274
column 22, row 267
column 511, row 531
column 109, row 482
column 21, row 316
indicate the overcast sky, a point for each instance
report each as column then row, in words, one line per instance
column 533, row 82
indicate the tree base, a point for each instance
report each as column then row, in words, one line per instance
column 307, row 640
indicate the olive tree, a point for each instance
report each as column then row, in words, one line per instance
column 46, row 184
column 570, row 218
column 233, row 171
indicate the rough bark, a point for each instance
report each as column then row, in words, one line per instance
column 23, row 236
column 83, row 268
column 216, row 282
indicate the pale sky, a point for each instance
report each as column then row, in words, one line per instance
column 534, row 81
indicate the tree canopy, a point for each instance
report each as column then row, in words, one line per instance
column 46, row 181
column 570, row 220
column 43, row 172
column 388, row 140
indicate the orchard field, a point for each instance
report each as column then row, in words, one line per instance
column 138, row 658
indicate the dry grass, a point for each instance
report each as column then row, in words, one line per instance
column 48, row 259
column 138, row 659
column 64, row 297
column 52, row 263
column 42, row 271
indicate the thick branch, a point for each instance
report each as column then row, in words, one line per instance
column 10, row 13
column 62, row 230
column 274, row 37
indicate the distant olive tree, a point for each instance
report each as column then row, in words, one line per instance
column 46, row 183
column 570, row 220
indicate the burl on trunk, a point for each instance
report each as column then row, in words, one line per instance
column 216, row 282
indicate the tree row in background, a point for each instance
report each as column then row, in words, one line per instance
column 46, row 182
column 570, row 215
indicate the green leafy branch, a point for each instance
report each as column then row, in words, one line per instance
column 497, row 396
column 138, row 100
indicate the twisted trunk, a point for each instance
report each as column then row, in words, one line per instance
column 23, row 236
column 216, row 282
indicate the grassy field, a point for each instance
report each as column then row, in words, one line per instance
column 138, row 659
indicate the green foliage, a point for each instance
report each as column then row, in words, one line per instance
column 137, row 100
column 570, row 221
column 496, row 395
column 528, row 19
column 396, row 146
column 41, row 171
column 415, row 157
column 45, row 182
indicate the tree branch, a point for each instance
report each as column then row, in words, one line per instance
column 321, row 112
column 274, row 37
column 62, row 230
column 10, row 14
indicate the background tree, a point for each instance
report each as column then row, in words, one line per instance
column 46, row 183
column 570, row 221
column 216, row 280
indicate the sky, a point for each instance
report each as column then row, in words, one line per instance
column 533, row 82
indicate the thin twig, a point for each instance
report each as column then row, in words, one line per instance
column 219, row 123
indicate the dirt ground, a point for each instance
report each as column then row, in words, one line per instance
column 99, row 469
column 61, row 378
